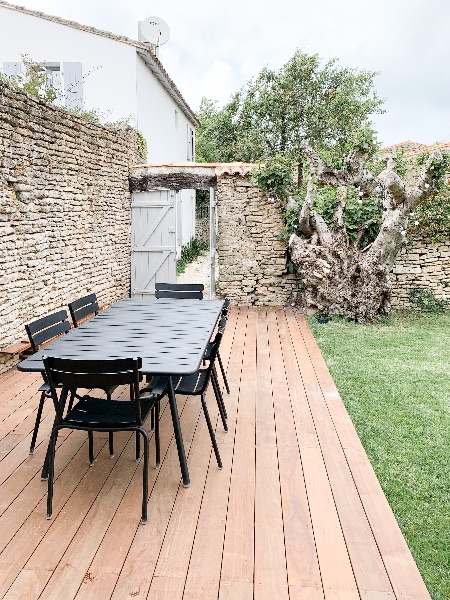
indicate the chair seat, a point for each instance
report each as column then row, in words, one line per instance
column 191, row 384
column 95, row 412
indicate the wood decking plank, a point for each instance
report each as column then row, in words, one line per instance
column 295, row 513
column 161, row 502
column 294, row 431
column 398, row 559
column 238, row 553
column 173, row 559
column 105, row 568
column 336, row 568
column 37, row 529
column 203, row 576
column 232, row 590
column 401, row 567
column 271, row 579
column 74, row 563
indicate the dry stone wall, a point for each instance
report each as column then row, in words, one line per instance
column 421, row 265
column 202, row 229
column 252, row 260
column 65, row 218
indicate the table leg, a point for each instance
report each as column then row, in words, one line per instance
column 178, row 435
column 62, row 403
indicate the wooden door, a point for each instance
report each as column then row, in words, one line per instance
column 153, row 256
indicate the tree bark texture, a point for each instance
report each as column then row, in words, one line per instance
column 341, row 278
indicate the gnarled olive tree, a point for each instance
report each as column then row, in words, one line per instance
column 339, row 275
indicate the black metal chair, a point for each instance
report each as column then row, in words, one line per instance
column 96, row 414
column 83, row 308
column 197, row 384
column 195, row 291
column 41, row 332
column 225, row 310
column 181, row 291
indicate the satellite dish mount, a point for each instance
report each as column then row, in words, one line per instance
column 154, row 31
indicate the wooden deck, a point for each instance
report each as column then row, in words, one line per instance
column 296, row 513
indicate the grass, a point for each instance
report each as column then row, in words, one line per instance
column 190, row 252
column 394, row 379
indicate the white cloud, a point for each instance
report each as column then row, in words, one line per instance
column 215, row 49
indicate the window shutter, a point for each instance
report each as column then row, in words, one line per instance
column 73, row 85
column 190, row 143
column 10, row 69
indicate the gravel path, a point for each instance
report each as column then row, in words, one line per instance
column 198, row 272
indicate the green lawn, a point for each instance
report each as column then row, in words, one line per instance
column 394, row 379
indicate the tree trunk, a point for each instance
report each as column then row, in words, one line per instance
column 340, row 278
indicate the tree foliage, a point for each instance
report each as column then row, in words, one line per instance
column 327, row 105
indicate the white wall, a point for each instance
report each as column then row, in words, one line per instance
column 109, row 75
column 159, row 118
column 165, row 128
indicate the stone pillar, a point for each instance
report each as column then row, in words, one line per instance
column 252, row 257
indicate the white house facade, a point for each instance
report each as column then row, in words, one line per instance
column 118, row 78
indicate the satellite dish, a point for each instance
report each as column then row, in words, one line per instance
column 155, row 30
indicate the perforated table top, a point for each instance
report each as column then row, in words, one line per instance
column 169, row 335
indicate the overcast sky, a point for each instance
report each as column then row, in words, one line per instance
column 214, row 48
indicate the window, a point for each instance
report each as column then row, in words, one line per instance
column 190, row 143
column 65, row 78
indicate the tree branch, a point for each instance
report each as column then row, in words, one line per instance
column 339, row 214
column 422, row 187
column 305, row 213
column 392, row 183
column 354, row 174
column 310, row 222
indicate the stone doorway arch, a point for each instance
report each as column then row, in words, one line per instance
column 252, row 256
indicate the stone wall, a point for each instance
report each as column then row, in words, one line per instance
column 252, row 260
column 65, row 218
column 202, row 229
column 421, row 265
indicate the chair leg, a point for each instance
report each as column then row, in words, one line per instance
column 225, row 380
column 219, row 399
column 157, row 441
column 111, row 444
column 219, row 392
column 144, row 476
column 152, row 419
column 138, row 448
column 72, row 398
column 51, row 471
column 91, row 448
column 38, row 422
column 219, row 396
column 211, row 432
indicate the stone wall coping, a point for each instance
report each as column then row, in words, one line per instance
column 166, row 168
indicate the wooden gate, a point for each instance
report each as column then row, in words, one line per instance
column 153, row 230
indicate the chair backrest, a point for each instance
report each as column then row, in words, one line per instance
column 218, row 337
column 214, row 349
column 82, row 308
column 181, row 291
column 225, row 308
column 89, row 374
column 46, row 329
